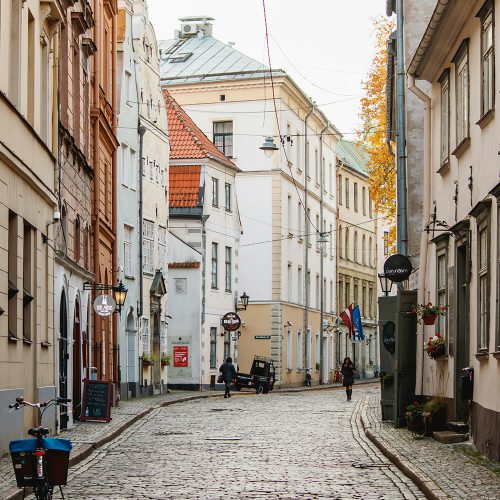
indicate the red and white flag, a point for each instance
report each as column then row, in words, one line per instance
column 346, row 318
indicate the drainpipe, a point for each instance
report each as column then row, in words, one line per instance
column 424, row 240
column 306, row 226
column 321, row 266
column 142, row 130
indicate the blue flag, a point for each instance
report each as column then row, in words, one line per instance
column 358, row 326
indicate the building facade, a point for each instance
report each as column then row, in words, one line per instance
column 281, row 258
column 29, row 45
column 357, row 257
column 204, row 215
column 461, row 234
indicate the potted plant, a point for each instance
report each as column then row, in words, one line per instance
column 427, row 313
column 415, row 418
column 386, row 379
column 165, row 359
column 436, row 346
column 437, row 410
column 147, row 359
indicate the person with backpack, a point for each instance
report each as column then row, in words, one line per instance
column 228, row 374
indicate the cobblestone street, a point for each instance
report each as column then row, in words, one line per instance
column 304, row 445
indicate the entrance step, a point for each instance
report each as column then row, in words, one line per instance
column 449, row 437
column 460, row 427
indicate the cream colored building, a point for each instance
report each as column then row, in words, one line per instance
column 460, row 264
column 28, row 148
column 357, row 257
column 284, row 201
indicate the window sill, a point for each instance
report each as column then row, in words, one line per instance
column 13, row 338
column 444, row 168
column 228, row 210
column 482, row 355
column 459, row 150
column 496, row 354
column 148, row 273
column 27, row 341
column 309, row 245
column 45, row 345
column 289, row 236
column 300, row 240
column 486, row 118
column 129, row 277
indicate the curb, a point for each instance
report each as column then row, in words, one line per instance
column 428, row 487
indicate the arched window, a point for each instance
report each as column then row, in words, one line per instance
column 76, row 239
column 355, row 246
column 346, row 253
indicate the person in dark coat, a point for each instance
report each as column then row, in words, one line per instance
column 228, row 373
column 347, row 369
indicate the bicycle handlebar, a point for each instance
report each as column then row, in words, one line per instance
column 21, row 402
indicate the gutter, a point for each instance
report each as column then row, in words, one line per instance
column 424, row 240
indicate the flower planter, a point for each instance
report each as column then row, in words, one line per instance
column 416, row 425
column 438, row 354
column 429, row 319
column 146, row 363
column 165, row 363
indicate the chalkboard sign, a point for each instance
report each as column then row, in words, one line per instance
column 96, row 403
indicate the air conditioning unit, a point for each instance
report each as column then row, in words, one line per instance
column 189, row 29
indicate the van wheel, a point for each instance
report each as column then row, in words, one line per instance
column 259, row 389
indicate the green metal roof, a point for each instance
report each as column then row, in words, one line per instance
column 353, row 156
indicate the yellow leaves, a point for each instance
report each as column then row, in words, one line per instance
column 372, row 136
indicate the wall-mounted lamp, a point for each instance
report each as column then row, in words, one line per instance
column 244, row 302
column 385, row 284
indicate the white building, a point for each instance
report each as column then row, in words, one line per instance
column 204, row 216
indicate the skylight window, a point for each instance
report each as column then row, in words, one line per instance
column 180, row 57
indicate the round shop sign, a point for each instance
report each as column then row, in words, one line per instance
column 104, row 305
column 398, row 268
column 231, row 321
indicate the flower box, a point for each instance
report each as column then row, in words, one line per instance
column 429, row 319
column 165, row 363
column 147, row 362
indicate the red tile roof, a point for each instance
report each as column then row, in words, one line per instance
column 184, row 181
column 187, row 141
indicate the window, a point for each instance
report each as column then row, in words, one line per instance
column 331, row 296
column 355, row 246
column 300, row 353
column 370, row 207
column 145, row 335
column 300, row 286
column 126, row 169
column 487, row 58
column 341, row 295
column 317, row 291
column 31, row 69
column 445, row 117
column 330, row 179
column 347, row 249
column 347, row 193
column 323, row 174
column 77, row 241
column 223, row 137
column 317, row 350
column 316, row 167
column 227, row 344
column 28, row 277
column 355, row 196
column 442, row 290
column 331, row 240
column 133, row 169
column 289, row 214
column 289, row 349
column 127, row 250
column 227, row 192
column 214, row 264
column 300, row 216
column 215, row 192
column 483, row 282
column 347, row 292
column 386, row 242
column 363, row 200
column 363, row 250
column 308, row 287
column 213, row 347
column 308, row 348
column 462, row 93
column 370, row 303
column 162, row 248
column 298, row 148
column 339, row 189
column 15, row 51
column 370, row 252
column 356, row 294
column 289, row 282
column 44, row 86
column 363, row 300
column 148, row 232
column 340, row 241
column 228, row 263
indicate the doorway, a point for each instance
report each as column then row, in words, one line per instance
column 63, row 360
column 77, row 363
column 156, row 354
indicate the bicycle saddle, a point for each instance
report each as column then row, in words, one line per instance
column 38, row 431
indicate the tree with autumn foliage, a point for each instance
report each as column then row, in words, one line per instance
column 372, row 136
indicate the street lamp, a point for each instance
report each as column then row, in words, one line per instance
column 244, row 301
column 385, row 284
column 120, row 294
column 269, row 147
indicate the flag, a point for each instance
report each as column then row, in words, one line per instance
column 357, row 324
column 346, row 317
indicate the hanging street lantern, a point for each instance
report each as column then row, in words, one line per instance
column 269, row 147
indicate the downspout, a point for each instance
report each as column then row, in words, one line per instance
column 321, row 267
column 142, row 130
column 306, row 227
column 424, row 240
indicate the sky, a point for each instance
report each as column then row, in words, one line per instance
column 326, row 46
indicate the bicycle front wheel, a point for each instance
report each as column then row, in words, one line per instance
column 43, row 491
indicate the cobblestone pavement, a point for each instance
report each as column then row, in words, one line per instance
column 288, row 445
column 458, row 470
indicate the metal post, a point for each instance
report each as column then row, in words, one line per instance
column 402, row 227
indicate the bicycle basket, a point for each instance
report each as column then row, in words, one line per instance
column 57, row 459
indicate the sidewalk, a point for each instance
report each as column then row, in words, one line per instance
column 440, row 471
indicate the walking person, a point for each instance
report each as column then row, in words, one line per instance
column 228, row 374
column 347, row 369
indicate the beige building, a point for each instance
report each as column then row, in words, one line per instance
column 461, row 269
column 28, row 150
column 356, row 257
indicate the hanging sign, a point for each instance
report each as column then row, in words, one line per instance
column 398, row 268
column 231, row 321
column 104, row 305
column 389, row 336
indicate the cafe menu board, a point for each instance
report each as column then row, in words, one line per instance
column 96, row 403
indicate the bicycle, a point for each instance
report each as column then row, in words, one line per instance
column 40, row 462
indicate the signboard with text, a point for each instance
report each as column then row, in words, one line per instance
column 96, row 402
column 398, row 268
column 231, row 321
column 181, row 356
column 104, row 305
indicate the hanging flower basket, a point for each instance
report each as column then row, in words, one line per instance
column 429, row 319
column 436, row 346
column 427, row 313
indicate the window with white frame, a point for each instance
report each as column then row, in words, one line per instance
column 330, row 179
column 340, row 245
column 227, row 192
column 289, row 282
column 317, row 291
column 228, row 263
column 300, row 352
column 317, row 351
column 355, row 196
column 148, row 236
column 300, row 286
column 339, row 189
column 323, row 174
column 215, row 249
column 331, row 296
column 442, row 289
column 445, row 117
column 215, row 192
column 483, row 284
column 308, row 348
column 462, row 95
column 127, row 250
column 213, row 347
column 289, row 349
column 347, row 250
column 133, row 169
column 162, row 247
column 355, row 253
column 298, row 150
column 290, row 214
column 331, row 236
column 487, row 58
column 316, row 166
column 347, row 193
column 363, row 250
column 126, row 170
column 300, row 215
column 145, row 335
column 223, row 137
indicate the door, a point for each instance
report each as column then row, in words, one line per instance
column 63, row 360
column 462, row 340
column 156, row 353
column 77, row 363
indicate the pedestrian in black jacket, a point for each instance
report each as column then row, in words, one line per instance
column 228, row 374
column 347, row 371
